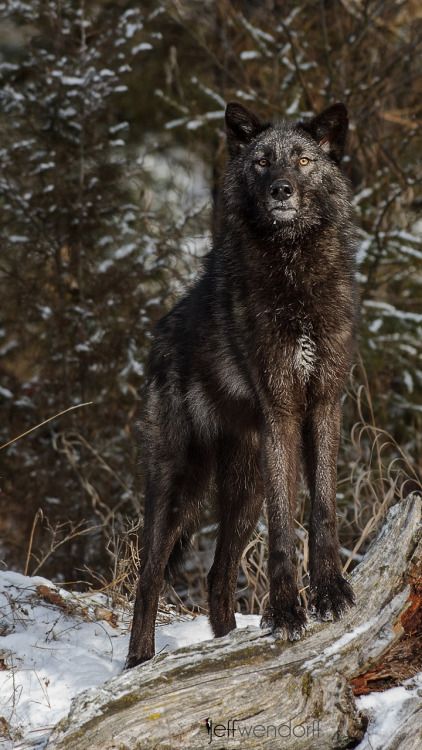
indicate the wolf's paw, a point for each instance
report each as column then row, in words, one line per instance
column 331, row 598
column 286, row 625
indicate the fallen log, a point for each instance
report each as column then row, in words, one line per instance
column 248, row 690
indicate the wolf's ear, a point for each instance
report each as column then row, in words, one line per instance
column 241, row 127
column 329, row 129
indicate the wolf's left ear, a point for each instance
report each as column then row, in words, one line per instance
column 241, row 127
column 329, row 129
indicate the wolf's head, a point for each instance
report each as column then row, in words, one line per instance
column 282, row 178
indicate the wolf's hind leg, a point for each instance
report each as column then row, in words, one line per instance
column 240, row 498
column 171, row 510
column 159, row 536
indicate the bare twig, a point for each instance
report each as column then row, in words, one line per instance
column 59, row 414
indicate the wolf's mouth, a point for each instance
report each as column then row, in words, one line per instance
column 283, row 211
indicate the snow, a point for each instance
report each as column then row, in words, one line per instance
column 181, row 633
column 249, row 54
column 44, row 167
column 200, row 121
column 365, row 193
column 143, row 47
column 410, row 251
column 67, row 112
column 408, row 381
column 289, row 19
column 104, row 266
column 120, row 126
column 293, row 108
column 131, row 29
column 256, row 32
column 45, row 311
column 69, row 80
column 175, row 123
column 375, row 325
column 125, row 250
column 347, row 637
column 385, row 712
column 339, row 643
column 250, row 97
column 17, row 238
column 54, row 644
column 391, row 311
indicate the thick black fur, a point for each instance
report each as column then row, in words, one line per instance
column 245, row 377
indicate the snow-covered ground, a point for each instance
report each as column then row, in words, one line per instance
column 385, row 711
column 55, row 644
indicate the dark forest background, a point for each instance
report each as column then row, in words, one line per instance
column 111, row 148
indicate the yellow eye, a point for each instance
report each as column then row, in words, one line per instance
column 303, row 161
column 264, row 163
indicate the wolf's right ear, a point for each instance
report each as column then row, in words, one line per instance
column 329, row 129
column 241, row 127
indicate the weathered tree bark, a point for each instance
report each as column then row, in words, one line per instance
column 283, row 695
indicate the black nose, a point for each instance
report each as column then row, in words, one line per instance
column 281, row 190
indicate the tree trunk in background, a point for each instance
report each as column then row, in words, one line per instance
column 263, row 683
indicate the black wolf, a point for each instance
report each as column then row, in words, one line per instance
column 246, row 372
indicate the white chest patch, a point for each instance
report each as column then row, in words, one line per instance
column 305, row 357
